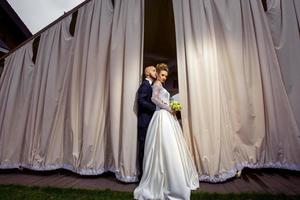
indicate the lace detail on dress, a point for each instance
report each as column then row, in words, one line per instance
column 160, row 97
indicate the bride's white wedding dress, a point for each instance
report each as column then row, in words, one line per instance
column 168, row 169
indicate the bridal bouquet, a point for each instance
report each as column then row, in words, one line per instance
column 175, row 105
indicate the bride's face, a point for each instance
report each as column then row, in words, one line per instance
column 162, row 76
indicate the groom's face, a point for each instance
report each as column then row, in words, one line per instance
column 152, row 72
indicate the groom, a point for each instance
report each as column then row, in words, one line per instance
column 146, row 109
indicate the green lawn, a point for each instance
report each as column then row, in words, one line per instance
column 11, row 192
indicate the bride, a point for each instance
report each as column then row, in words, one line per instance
column 168, row 168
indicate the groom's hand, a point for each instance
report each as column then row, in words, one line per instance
column 173, row 112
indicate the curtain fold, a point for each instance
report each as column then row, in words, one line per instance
column 236, row 109
column 284, row 22
column 16, row 86
column 126, row 61
column 282, row 139
column 86, row 89
column 47, row 142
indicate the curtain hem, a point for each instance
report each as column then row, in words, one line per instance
column 225, row 175
column 81, row 171
column 221, row 177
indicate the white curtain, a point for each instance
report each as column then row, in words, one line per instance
column 236, row 112
column 34, row 122
column 47, row 147
column 86, row 91
column 126, row 62
column 74, row 108
column 284, row 22
column 16, row 86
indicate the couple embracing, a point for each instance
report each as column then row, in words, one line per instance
column 166, row 166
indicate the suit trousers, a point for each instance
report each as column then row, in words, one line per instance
column 141, row 146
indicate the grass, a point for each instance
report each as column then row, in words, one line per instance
column 11, row 192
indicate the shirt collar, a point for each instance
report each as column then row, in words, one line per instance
column 150, row 81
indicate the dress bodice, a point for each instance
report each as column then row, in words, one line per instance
column 161, row 97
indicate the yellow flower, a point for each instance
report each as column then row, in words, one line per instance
column 175, row 105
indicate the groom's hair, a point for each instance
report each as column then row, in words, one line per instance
column 146, row 69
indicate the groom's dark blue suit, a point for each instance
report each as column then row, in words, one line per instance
column 146, row 109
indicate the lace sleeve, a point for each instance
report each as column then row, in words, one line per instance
column 156, row 99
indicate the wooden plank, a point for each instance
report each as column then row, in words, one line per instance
column 264, row 181
column 275, row 186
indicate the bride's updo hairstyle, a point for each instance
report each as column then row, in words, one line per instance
column 161, row 67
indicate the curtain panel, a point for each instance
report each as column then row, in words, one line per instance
column 284, row 22
column 75, row 107
column 237, row 113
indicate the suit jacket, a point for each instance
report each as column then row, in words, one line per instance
column 146, row 107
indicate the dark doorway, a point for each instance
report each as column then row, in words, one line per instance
column 160, row 40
